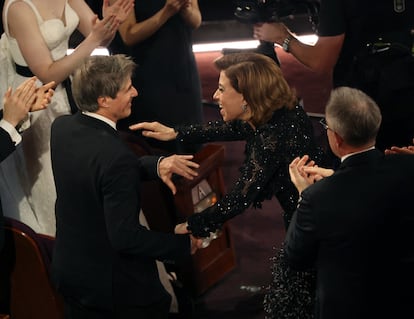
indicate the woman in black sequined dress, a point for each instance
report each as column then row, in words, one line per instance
column 259, row 107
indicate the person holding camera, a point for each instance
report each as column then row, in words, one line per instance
column 366, row 45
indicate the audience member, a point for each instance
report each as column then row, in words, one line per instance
column 104, row 262
column 259, row 107
column 37, row 33
column 26, row 98
column 355, row 226
column 366, row 45
column 159, row 37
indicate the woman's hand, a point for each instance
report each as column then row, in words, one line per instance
column 104, row 30
column 172, row 7
column 155, row 130
column 25, row 98
column 119, row 9
column 43, row 96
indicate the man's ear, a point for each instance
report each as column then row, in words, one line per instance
column 102, row 101
column 338, row 139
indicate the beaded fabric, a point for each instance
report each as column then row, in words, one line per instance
column 264, row 173
column 291, row 294
column 265, row 170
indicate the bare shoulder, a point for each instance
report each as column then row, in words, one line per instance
column 20, row 16
column 17, row 9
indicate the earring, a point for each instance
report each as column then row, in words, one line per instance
column 244, row 108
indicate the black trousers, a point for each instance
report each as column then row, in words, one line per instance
column 75, row 310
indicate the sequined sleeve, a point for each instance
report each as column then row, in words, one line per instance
column 260, row 165
column 213, row 131
column 264, row 172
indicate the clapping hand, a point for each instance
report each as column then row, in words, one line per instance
column 401, row 150
column 120, row 9
column 43, row 96
column 303, row 172
column 24, row 99
column 174, row 6
column 297, row 175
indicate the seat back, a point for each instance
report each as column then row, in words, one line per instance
column 25, row 288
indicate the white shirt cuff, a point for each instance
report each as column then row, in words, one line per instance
column 158, row 165
column 14, row 134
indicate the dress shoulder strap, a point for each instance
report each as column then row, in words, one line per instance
column 6, row 11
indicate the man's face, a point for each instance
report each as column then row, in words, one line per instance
column 120, row 106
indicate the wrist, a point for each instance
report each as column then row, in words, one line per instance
column 173, row 134
column 287, row 42
column 158, row 165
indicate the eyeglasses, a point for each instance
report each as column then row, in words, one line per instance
column 324, row 124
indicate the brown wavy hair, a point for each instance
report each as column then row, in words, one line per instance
column 261, row 82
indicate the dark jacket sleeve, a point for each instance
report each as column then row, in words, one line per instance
column 148, row 167
column 301, row 242
column 121, row 195
column 6, row 144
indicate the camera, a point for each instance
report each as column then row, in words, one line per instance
column 276, row 10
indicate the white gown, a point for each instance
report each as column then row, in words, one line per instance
column 27, row 187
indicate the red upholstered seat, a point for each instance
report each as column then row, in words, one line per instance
column 25, row 288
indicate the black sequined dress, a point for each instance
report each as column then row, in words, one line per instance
column 264, row 173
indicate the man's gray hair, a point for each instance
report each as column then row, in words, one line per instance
column 353, row 115
column 100, row 76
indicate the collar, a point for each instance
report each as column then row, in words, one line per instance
column 101, row 117
column 343, row 158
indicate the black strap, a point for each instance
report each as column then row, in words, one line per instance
column 25, row 71
column 67, row 84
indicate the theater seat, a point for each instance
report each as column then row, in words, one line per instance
column 25, row 288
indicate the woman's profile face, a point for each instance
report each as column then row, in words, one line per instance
column 230, row 101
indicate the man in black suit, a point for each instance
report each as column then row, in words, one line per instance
column 104, row 263
column 356, row 226
column 16, row 107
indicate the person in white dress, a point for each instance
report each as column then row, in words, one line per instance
column 38, row 34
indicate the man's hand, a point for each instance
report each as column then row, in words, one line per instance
column 25, row 98
column 401, row 150
column 177, row 164
column 317, row 173
column 270, row 32
column 181, row 228
column 297, row 175
column 304, row 172
column 196, row 243
column 155, row 130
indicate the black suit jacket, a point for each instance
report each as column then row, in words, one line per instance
column 6, row 148
column 356, row 227
column 6, row 144
column 103, row 257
